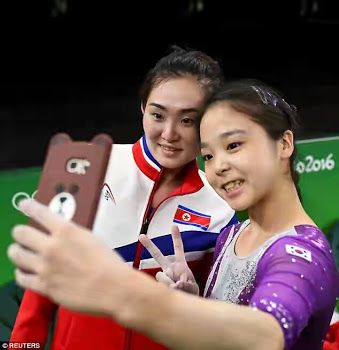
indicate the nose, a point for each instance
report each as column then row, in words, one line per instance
column 222, row 167
column 169, row 132
column 62, row 199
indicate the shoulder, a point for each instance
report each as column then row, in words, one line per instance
column 122, row 146
column 305, row 242
column 122, row 151
column 121, row 159
column 305, row 253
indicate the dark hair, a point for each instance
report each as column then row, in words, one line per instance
column 265, row 106
column 180, row 62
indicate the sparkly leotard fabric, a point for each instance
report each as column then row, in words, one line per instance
column 291, row 276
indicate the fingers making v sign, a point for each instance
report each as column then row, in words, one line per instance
column 175, row 274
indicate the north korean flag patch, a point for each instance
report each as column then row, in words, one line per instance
column 186, row 216
column 300, row 252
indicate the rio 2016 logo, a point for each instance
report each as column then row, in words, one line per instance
column 313, row 165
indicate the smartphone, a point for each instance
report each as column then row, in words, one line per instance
column 72, row 177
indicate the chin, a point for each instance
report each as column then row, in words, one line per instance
column 172, row 165
column 239, row 207
column 236, row 204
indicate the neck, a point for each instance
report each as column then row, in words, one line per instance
column 280, row 210
column 173, row 175
column 170, row 180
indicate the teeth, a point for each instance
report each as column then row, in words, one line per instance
column 167, row 148
column 234, row 185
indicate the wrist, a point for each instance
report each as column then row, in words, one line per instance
column 143, row 309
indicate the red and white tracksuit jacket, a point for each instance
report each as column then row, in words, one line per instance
column 131, row 178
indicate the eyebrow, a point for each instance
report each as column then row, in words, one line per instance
column 182, row 111
column 224, row 135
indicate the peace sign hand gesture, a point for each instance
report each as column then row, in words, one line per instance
column 177, row 274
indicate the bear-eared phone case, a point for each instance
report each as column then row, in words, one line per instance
column 72, row 177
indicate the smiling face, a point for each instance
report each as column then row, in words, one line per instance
column 242, row 162
column 170, row 121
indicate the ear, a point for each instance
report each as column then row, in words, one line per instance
column 60, row 138
column 287, row 144
column 102, row 139
column 142, row 108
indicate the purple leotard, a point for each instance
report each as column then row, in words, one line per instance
column 292, row 276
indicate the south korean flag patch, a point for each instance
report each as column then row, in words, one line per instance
column 300, row 252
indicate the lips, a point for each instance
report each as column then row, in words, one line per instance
column 169, row 148
column 232, row 186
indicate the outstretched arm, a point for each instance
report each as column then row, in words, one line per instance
column 80, row 272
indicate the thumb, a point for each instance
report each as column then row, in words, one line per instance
column 183, row 277
column 163, row 278
column 188, row 287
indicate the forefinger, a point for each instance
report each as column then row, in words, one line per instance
column 154, row 251
column 42, row 215
column 30, row 238
column 177, row 244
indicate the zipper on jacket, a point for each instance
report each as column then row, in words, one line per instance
column 144, row 226
column 137, row 259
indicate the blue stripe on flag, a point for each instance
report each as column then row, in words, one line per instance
column 193, row 212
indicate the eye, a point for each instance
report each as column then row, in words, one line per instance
column 73, row 188
column 233, row 145
column 188, row 121
column 207, row 157
column 59, row 188
column 157, row 116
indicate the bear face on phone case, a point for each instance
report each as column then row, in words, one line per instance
column 72, row 177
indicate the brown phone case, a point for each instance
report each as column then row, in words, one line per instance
column 72, row 177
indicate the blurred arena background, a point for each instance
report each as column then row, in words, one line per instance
column 76, row 66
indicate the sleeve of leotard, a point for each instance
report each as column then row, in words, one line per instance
column 295, row 279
